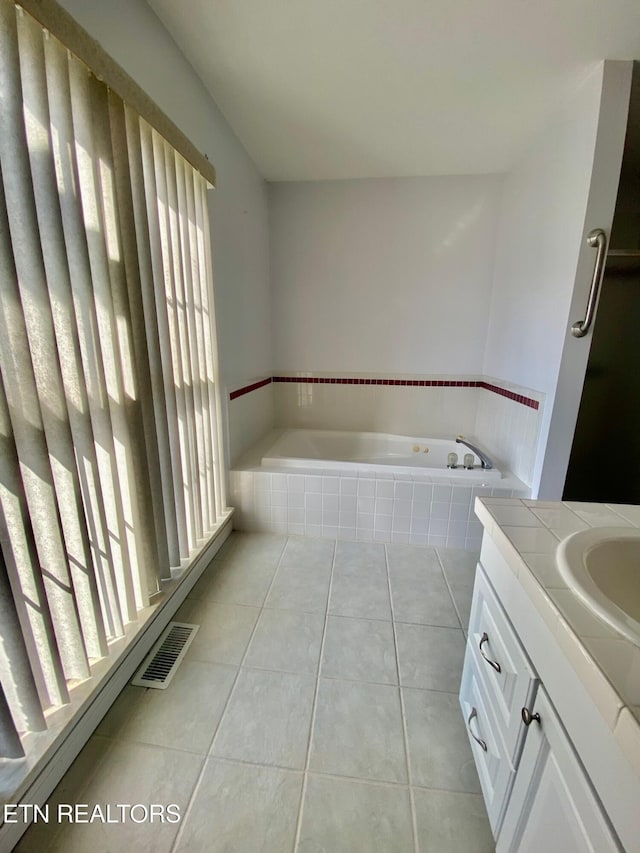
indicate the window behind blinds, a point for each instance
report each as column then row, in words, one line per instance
column 110, row 477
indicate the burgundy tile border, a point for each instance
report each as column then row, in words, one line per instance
column 248, row 388
column 518, row 398
column 421, row 383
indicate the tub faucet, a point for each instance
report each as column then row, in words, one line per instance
column 485, row 462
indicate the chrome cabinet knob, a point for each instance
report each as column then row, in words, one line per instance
column 528, row 717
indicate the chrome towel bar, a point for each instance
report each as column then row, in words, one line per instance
column 596, row 239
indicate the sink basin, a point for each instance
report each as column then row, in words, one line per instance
column 602, row 567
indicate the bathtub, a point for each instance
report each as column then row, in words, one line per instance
column 365, row 452
column 364, row 486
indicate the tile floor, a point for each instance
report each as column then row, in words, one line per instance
column 316, row 710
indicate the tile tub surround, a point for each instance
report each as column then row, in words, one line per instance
column 329, row 732
column 368, row 508
column 527, row 534
column 504, row 417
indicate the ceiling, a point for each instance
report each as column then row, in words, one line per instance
column 321, row 89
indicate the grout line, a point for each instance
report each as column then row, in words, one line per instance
column 315, row 705
column 464, row 628
column 405, row 734
column 208, row 754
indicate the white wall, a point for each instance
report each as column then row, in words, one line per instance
column 134, row 36
column 385, row 275
column 541, row 260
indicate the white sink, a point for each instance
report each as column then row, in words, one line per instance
column 602, row 567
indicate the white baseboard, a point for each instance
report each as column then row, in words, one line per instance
column 71, row 742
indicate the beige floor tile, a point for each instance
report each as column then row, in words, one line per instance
column 430, row 658
column 152, row 744
column 130, row 774
column 439, row 751
column 405, row 558
column 242, row 808
column 261, row 548
column 359, row 650
column 360, row 594
column 239, row 582
column 358, row 731
column 40, row 837
column 450, row 822
column 345, row 815
column 424, row 600
column 286, row 640
column 267, row 719
column 224, row 632
column 184, row 716
column 358, row 556
column 459, row 566
column 462, row 598
column 310, row 553
column 303, row 588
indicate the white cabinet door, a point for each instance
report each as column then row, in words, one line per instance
column 552, row 806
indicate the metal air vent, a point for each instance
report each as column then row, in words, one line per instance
column 161, row 663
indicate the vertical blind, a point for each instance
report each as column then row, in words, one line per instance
column 110, row 475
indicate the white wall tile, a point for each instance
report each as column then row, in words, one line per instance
column 330, row 502
column 348, row 485
column 262, row 481
column 313, row 484
column 459, row 512
column 422, row 492
column 366, row 504
column 313, row 500
column 401, row 524
column 295, row 483
column 313, row 516
column 366, row 487
column 403, row 490
column 279, row 481
column 330, row 485
column 438, row 527
column 295, row 515
column 347, row 532
column 384, row 506
column 402, row 507
column 440, row 510
column 381, row 519
column 348, row 502
column 347, row 517
column 420, row 525
column 385, row 489
column 442, row 493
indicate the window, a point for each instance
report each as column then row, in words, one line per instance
column 110, row 472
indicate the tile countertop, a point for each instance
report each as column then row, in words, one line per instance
column 527, row 533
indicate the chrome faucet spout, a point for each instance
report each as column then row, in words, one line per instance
column 485, row 461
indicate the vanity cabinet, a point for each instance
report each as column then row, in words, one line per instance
column 538, row 795
column 552, row 805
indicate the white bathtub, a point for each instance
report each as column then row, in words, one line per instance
column 370, row 451
column 366, row 486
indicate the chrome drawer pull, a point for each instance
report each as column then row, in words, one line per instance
column 478, row 740
column 528, row 717
column 493, row 663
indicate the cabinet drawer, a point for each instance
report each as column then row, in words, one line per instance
column 494, row 768
column 503, row 666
